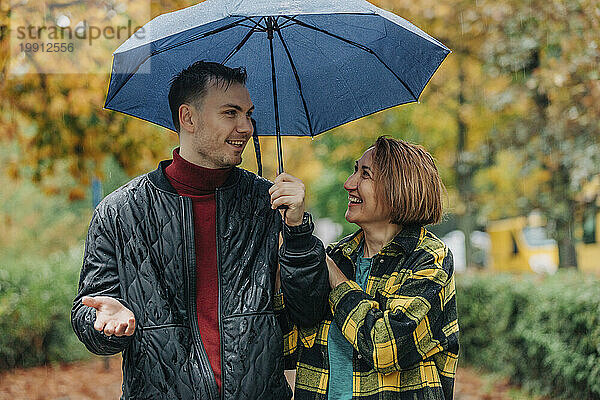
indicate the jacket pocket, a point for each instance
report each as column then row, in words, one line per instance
column 159, row 364
column 252, row 368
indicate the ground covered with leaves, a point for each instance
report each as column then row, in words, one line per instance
column 92, row 380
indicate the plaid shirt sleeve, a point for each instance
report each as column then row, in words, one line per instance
column 400, row 328
column 289, row 331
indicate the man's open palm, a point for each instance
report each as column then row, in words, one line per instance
column 112, row 317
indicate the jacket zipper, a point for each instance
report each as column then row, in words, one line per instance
column 191, row 283
column 217, row 192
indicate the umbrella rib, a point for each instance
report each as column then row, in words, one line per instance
column 287, row 51
column 287, row 23
column 242, row 43
column 291, row 20
column 196, row 37
column 200, row 36
column 256, row 23
column 357, row 45
column 251, row 19
column 250, row 27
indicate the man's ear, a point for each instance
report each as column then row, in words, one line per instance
column 186, row 120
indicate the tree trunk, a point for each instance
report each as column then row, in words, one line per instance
column 567, row 257
column 564, row 213
column 463, row 171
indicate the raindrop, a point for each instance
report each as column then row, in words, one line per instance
column 63, row 21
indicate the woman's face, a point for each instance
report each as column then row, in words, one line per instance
column 363, row 205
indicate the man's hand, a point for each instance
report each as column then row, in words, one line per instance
column 112, row 317
column 335, row 275
column 288, row 190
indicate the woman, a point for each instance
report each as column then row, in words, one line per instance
column 392, row 330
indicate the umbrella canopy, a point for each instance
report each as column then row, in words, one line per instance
column 312, row 64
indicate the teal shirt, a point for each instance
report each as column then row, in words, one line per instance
column 339, row 348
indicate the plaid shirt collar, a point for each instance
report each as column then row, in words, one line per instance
column 405, row 241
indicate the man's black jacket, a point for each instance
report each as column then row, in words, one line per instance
column 140, row 250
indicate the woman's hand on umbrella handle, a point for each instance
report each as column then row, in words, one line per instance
column 287, row 190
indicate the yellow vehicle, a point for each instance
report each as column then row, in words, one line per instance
column 521, row 244
column 588, row 226
column 588, row 250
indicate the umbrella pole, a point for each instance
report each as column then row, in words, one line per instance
column 279, row 154
column 270, row 27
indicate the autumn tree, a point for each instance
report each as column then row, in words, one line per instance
column 57, row 116
column 511, row 116
column 463, row 109
column 551, row 50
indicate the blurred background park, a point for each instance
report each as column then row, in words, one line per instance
column 512, row 117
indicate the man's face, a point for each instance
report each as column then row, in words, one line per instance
column 222, row 127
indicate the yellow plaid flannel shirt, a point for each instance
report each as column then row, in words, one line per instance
column 403, row 328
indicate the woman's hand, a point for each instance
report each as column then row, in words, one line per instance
column 335, row 275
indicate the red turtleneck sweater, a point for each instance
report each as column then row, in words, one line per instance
column 199, row 184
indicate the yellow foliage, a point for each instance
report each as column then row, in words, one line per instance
column 61, row 116
column 76, row 194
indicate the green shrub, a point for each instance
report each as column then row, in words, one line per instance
column 38, row 272
column 35, row 305
column 544, row 333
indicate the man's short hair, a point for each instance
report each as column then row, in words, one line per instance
column 407, row 181
column 190, row 85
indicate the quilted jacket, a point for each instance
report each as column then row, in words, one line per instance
column 140, row 250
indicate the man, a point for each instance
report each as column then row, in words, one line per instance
column 180, row 268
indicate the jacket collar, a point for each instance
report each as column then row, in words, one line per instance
column 160, row 180
column 405, row 241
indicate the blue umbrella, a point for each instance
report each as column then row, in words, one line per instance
column 312, row 64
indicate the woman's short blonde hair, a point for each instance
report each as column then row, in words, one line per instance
column 407, row 181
